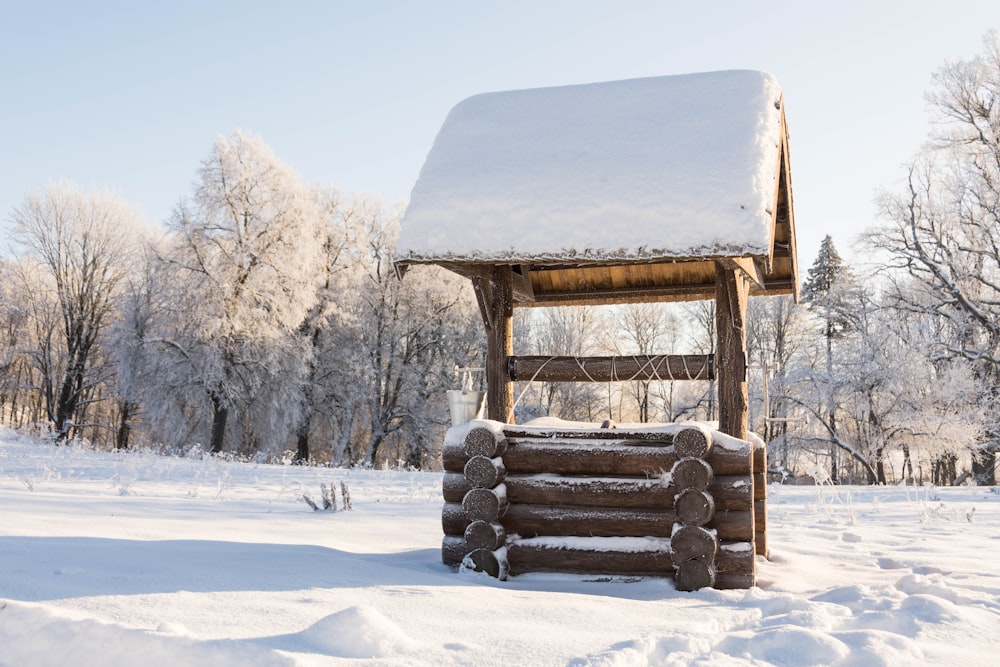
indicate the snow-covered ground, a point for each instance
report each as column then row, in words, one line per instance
column 137, row 559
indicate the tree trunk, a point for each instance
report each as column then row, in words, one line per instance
column 984, row 467
column 220, row 413
column 302, row 446
column 124, row 428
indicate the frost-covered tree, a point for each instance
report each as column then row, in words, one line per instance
column 830, row 292
column 776, row 329
column 559, row 331
column 942, row 230
column 236, row 283
column 646, row 328
column 18, row 407
column 412, row 333
column 77, row 247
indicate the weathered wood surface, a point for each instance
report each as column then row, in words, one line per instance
column 726, row 582
column 759, row 457
column 760, row 499
column 588, row 459
column 644, row 367
column 693, row 575
column 495, row 294
column 691, row 473
column 534, row 520
column 692, row 442
column 620, row 492
column 731, row 492
column 694, row 507
column 481, row 441
column 483, row 472
column 539, row 520
column 735, row 558
column 627, row 436
column 576, row 458
column 454, row 458
column 453, row 520
column 731, row 293
column 693, row 542
column 526, row 556
column 453, row 550
column 733, row 526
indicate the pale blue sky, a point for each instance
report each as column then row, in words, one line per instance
column 130, row 95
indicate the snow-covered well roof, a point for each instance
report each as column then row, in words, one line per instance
column 667, row 168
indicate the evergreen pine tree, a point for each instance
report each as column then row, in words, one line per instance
column 827, row 291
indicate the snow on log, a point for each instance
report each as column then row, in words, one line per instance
column 694, row 507
column 535, row 520
column 731, row 492
column 760, row 498
column 484, row 472
column 693, row 442
column 493, row 563
column 587, row 459
column 481, row 441
column 620, row 492
column 530, row 555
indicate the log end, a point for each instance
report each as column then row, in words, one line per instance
column 692, row 442
column 694, row 507
column 481, row 441
column 692, row 473
column 493, row 563
column 692, row 575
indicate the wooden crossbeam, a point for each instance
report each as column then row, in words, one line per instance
column 644, row 367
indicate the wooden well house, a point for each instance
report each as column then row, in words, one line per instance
column 671, row 188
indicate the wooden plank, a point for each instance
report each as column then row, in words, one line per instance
column 536, row 520
column 527, row 556
column 611, row 369
column 540, row 555
column 731, row 492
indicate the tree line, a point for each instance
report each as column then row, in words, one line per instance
column 266, row 318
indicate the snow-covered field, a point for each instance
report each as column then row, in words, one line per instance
column 136, row 559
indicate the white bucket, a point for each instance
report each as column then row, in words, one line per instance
column 465, row 405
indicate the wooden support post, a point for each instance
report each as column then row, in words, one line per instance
column 497, row 302
column 732, row 288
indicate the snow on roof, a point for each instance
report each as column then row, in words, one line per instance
column 666, row 167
